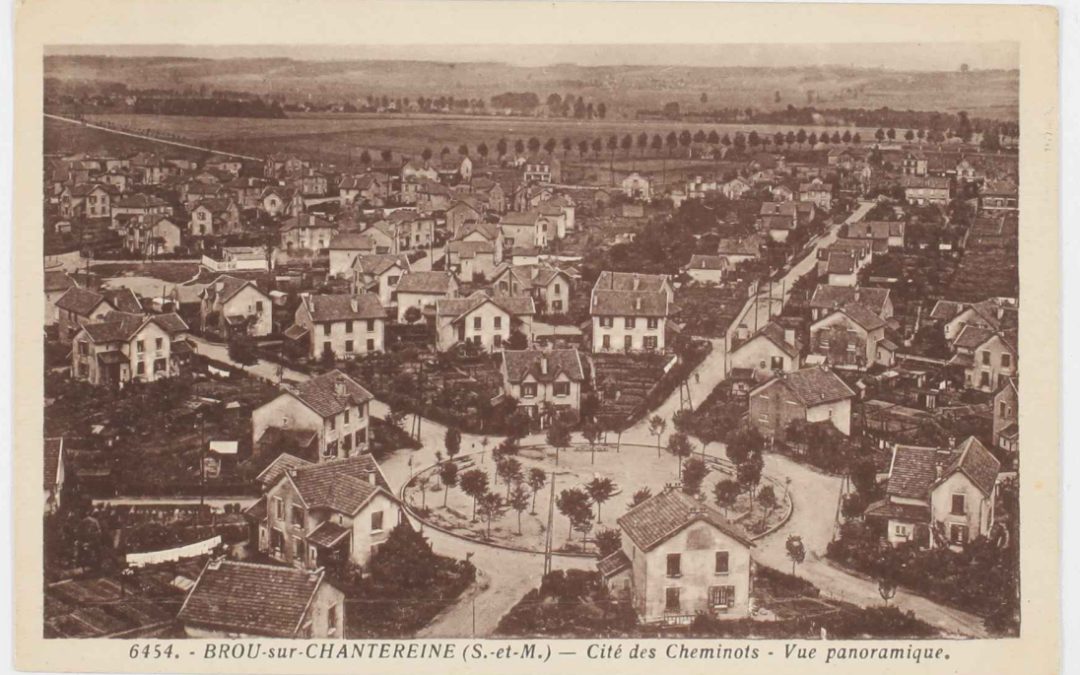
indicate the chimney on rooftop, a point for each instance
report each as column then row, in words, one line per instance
column 637, row 304
column 339, row 389
column 637, row 281
column 543, row 364
column 354, row 304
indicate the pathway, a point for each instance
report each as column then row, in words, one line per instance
column 178, row 144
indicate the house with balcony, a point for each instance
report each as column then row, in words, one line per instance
column 345, row 325
column 680, row 557
column 122, row 348
column 231, row 305
column 543, row 382
column 485, row 321
column 232, row 599
column 937, row 496
column 325, row 514
column 333, row 406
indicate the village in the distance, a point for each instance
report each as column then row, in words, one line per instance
column 348, row 350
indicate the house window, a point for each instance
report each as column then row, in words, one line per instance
column 984, row 379
column 331, row 449
column 140, row 368
column 348, row 346
column 326, row 329
column 986, row 358
column 347, row 444
column 361, row 436
column 722, row 562
column 1006, row 360
column 528, row 390
column 1003, row 409
column 628, row 342
column 763, row 417
column 557, row 305
column 958, row 534
column 498, row 340
column 297, row 516
column 498, row 322
column 653, row 324
column 958, row 505
column 140, row 346
column 279, row 508
column 258, row 307
column 900, row 530
column 477, row 322
column 558, row 289
column 345, row 417
column 777, row 363
column 158, row 343
column 607, row 321
column 561, row 389
column 671, row 599
column 629, row 322
column 298, row 549
column 332, row 620
column 650, row 342
column 331, row 422
column 370, row 345
column 377, row 521
column 721, row 597
column 606, row 341
column 674, row 565
column 348, row 327
column 84, row 348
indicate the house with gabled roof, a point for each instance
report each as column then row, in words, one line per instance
column 707, row 269
column 992, row 313
column 123, row 347
column 938, row 497
column 325, row 514
column 1006, row 427
column 57, row 282
column 79, row 306
column 680, row 557
column 741, row 249
column 150, row 235
column 988, row 357
column 333, row 405
column 464, row 208
column 630, row 311
column 889, row 232
column 549, row 286
column 87, row 200
column 827, row 298
column 346, row 325
column 999, row 196
column 813, row 394
column 483, row 320
column 345, row 248
column 232, row 599
column 54, row 472
column 138, row 204
column 543, row 381
column 379, row 273
column 307, row 231
column 233, row 305
column 216, row 216
column 852, row 335
column 773, row 349
column 423, row 289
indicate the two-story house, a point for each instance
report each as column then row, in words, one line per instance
column 232, row 599
column 483, row 320
column 548, row 286
column 346, row 325
column 809, row 395
column 923, row 190
column 773, row 349
column 938, row 497
column 852, row 336
column 379, row 273
column 219, row 216
column 80, row 306
column 327, row 514
column 122, row 348
column 543, row 380
column 230, row 304
column 86, row 200
column 680, row 557
column 1007, row 416
column 636, row 187
column 151, row 235
column 307, row 231
column 465, row 208
column 345, row 248
column 471, row 260
column 992, row 313
column 333, row 405
column 827, row 299
column 817, row 192
column 707, row 269
column 138, row 204
column 988, row 357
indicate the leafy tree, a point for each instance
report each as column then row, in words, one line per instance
column 627, row 143
column 796, row 551
column 685, row 138
column 444, row 152
column 519, row 146
column 597, row 146
column 857, row 138
column 474, row 483
column 726, row 494
column 567, row 145
column 426, row 154
column 891, row 133
column 452, row 441
column 847, row 136
column 550, row 145
column 558, row 437
column 536, row 478
column 413, row 314
column 693, row 474
column 404, row 560
column 909, row 135
column 879, row 134
column 592, row 433
column 327, row 359
column 640, row 495
column 601, row 110
column 812, row 139
column 680, row 446
column 365, row 158
column 600, row 490
column 492, row 506
column 574, row 504
column 583, row 147
column 657, row 143
column 501, row 147
column 748, row 474
column 643, row 142
column 534, row 144
column 242, row 350
column 767, row 499
column 657, row 426
column 743, row 443
column 482, row 150
column 607, row 541
column 519, row 501
column 517, row 340
column 699, row 136
column 448, row 476
column 800, row 137
column 510, row 471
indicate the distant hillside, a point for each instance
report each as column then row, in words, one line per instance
column 625, row 89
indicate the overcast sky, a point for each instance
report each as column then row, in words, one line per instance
column 907, row 56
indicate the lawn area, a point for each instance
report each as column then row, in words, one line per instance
column 630, row 468
column 168, row 272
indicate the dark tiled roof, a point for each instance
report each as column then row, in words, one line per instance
column 139, row 201
column 79, row 300
column 377, row 263
column 308, row 220
column 327, row 534
column 171, row 323
column 57, row 280
column 629, row 303
column 250, row 598
column 612, row 564
column 746, row 246
column 977, row 463
column 972, row 336
column 659, row 517
column 778, row 222
column 708, row 262
column 53, row 448
column 345, row 307
column 813, row 386
column 321, row 393
column 875, row 229
column 829, row 297
column 343, row 485
column 470, row 249
column 774, row 332
column 916, row 513
column 514, row 305
column 629, row 281
column 526, row 362
column 945, row 310
column 863, row 316
column 302, row 438
column 425, row 282
column 123, row 300
column 351, row 241
column 778, row 209
column 913, row 472
column 840, row 262
column 226, row 286
column 114, row 327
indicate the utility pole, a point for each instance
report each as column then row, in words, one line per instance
column 550, row 523
column 202, row 468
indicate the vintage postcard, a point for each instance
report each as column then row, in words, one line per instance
column 518, row 337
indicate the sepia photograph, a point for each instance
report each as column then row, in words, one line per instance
column 681, row 346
